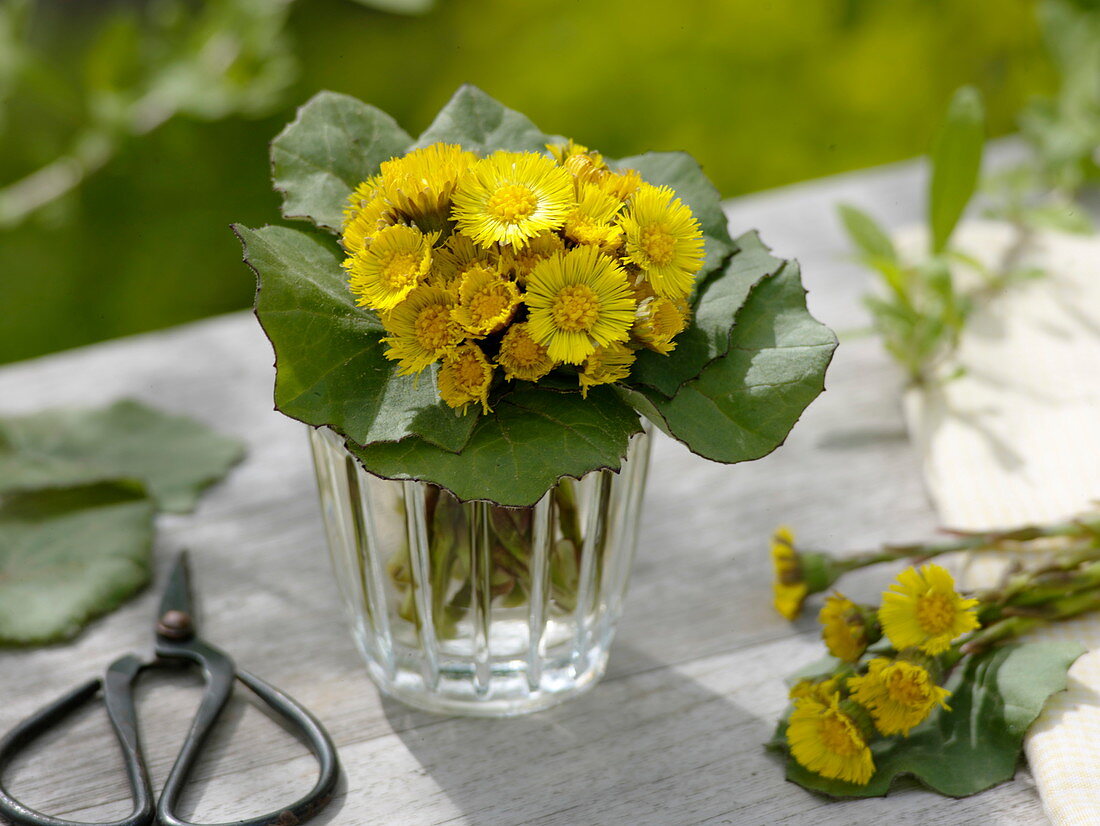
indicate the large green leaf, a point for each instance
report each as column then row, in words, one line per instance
column 68, row 555
column 329, row 355
column 994, row 698
column 708, row 336
column 956, row 162
column 175, row 457
column 683, row 174
column 533, row 438
column 742, row 406
column 481, row 124
column 335, row 142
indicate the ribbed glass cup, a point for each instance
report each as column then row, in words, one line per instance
column 471, row 608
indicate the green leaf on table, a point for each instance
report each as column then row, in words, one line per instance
column 69, row 555
column 867, row 235
column 995, row 697
column 708, row 336
column 743, row 405
column 334, row 143
column 683, row 174
column 956, row 162
column 533, row 438
column 175, row 457
column 331, row 367
column 482, row 125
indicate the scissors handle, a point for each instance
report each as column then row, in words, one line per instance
column 220, row 673
column 118, row 691
column 117, row 685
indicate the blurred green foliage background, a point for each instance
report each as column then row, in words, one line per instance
column 170, row 105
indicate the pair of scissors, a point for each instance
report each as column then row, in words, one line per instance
column 177, row 643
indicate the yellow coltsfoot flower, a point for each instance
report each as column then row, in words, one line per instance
column 591, row 221
column 664, row 239
column 364, row 192
column 366, row 223
column 582, row 163
column 586, row 167
column 843, row 628
column 420, row 185
column 820, row 690
column 510, row 197
column 561, row 152
column 658, row 322
column 383, row 274
column 465, row 377
column 899, row 694
column 422, row 329
column 923, row 610
column 620, row 185
column 486, row 301
column 606, row 365
column 829, row 742
column 578, row 301
column 456, row 256
column 520, row 262
column 789, row 589
column 521, row 356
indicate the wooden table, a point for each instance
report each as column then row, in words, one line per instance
column 673, row 734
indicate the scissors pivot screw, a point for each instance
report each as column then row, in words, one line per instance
column 175, row 625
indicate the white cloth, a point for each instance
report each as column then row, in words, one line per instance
column 1015, row 440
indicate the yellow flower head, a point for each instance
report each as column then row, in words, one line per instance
column 898, row 694
column 421, row 184
column 457, row 256
column 620, row 185
column 843, row 628
column 539, row 248
column 790, row 587
column 828, row 742
column 606, row 365
column 664, row 239
column 591, row 221
column 486, row 300
column 366, row 223
column 382, row 274
column 578, row 301
column 364, row 192
column 658, row 322
column 521, row 356
column 820, row 690
column 421, row 329
column 585, row 167
column 510, row 197
column 561, row 152
column 465, row 377
column 923, row 610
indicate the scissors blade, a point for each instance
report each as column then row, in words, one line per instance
column 176, row 606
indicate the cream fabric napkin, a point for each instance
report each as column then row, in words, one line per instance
column 1017, row 440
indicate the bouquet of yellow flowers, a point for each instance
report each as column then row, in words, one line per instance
column 550, row 261
column 500, row 306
